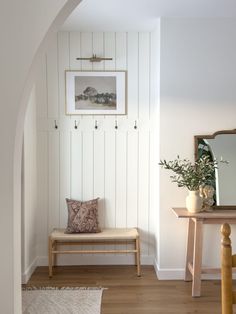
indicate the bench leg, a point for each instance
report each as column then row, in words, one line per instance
column 54, row 256
column 137, row 255
column 50, row 257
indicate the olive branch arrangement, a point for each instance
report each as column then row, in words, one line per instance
column 192, row 175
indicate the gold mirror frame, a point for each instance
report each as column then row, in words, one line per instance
column 212, row 136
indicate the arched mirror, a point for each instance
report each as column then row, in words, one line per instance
column 222, row 146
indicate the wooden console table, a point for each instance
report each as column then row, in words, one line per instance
column 193, row 266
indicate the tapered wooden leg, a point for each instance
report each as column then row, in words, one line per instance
column 54, row 256
column 138, row 257
column 197, row 259
column 189, row 252
column 50, row 244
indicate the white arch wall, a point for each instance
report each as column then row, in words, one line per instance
column 23, row 26
column 29, row 187
column 118, row 166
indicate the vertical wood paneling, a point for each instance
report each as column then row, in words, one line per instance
column 86, row 50
column 132, row 179
column 110, row 65
column 52, row 79
column 63, row 64
column 144, row 75
column 121, row 168
column 76, row 165
column 98, row 189
column 121, row 175
column 133, row 74
column 121, row 60
column 107, row 163
column 75, row 50
column 53, row 181
column 121, row 51
column 143, row 190
column 76, row 147
column 110, row 50
column 88, row 168
column 98, row 49
column 65, row 161
column 87, row 165
column 110, row 170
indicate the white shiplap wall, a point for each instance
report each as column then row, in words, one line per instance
column 84, row 163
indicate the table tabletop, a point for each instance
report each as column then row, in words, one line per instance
column 215, row 214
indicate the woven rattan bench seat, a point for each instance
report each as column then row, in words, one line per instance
column 105, row 234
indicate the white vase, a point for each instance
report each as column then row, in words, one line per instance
column 194, row 202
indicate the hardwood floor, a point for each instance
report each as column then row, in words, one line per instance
column 129, row 294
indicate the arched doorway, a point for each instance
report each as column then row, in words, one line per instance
column 12, row 302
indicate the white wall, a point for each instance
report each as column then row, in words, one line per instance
column 116, row 166
column 27, row 24
column 197, row 96
column 29, row 189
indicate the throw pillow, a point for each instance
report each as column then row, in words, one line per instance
column 82, row 216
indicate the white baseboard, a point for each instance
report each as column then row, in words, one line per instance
column 162, row 273
column 178, row 274
column 168, row 273
column 29, row 271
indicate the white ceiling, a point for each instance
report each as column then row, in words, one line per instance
column 128, row 15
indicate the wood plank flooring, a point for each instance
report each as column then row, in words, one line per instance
column 129, row 294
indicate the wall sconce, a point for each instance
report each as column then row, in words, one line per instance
column 94, row 58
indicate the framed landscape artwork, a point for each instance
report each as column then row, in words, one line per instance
column 90, row 92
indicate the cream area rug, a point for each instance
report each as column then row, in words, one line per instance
column 61, row 300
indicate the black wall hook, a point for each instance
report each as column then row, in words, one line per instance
column 76, row 125
column 135, row 125
column 96, row 125
column 55, row 124
column 116, row 126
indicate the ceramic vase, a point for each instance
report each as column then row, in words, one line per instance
column 194, row 201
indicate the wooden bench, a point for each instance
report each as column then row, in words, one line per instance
column 108, row 236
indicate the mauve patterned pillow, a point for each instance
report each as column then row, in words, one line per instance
column 82, row 216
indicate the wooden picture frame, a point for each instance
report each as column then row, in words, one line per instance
column 95, row 92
